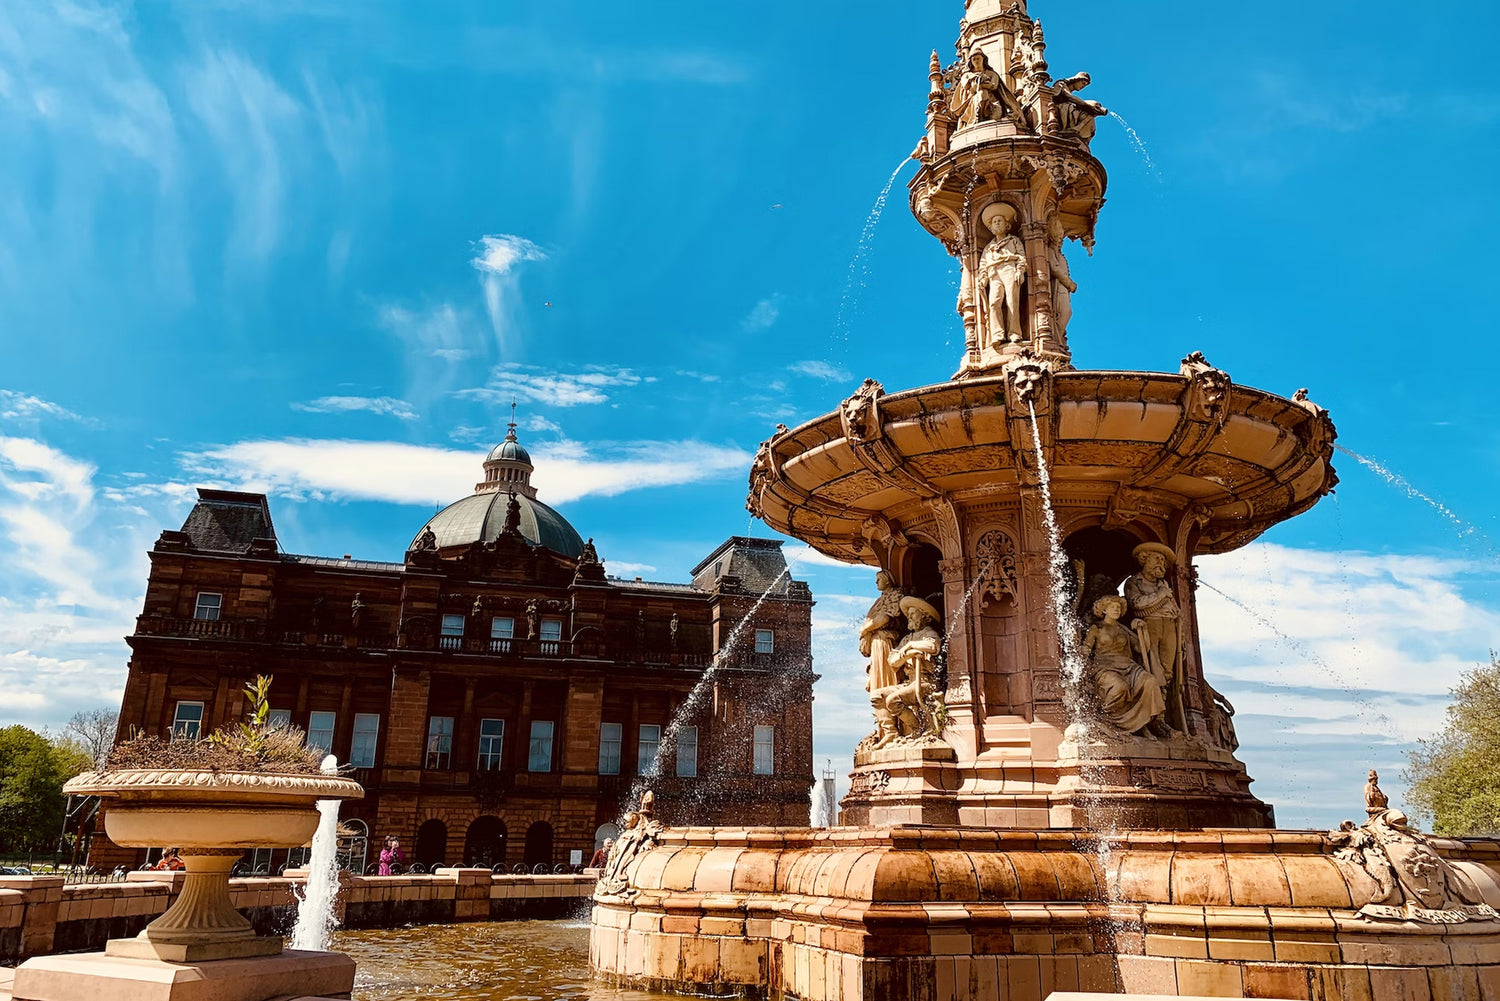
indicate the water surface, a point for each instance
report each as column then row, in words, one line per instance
column 493, row 961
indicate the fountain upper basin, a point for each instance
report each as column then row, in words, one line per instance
column 1121, row 442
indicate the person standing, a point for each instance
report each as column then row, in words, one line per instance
column 390, row 856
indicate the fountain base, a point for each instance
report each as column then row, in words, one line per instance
column 943, row 914
column 94, row 975
column 911, row 784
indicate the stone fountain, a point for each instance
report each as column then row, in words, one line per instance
column 1050, row 799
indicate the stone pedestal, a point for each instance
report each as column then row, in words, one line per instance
column 95, row 976
column 902, row 785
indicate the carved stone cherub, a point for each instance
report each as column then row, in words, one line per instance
column 1001, row 273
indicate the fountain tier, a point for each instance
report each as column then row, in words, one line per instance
column 940, row 487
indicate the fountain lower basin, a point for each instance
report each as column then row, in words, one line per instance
column 945, row 913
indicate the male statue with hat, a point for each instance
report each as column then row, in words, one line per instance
column 914, row 662
column 1001, row 272
column 1157, row 622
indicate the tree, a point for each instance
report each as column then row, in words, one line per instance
column 1454, row 777
column 32, row 772
column 94, row 731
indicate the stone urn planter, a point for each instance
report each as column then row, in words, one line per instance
column 211, row 817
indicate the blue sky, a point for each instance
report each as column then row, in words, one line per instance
column 317, row 247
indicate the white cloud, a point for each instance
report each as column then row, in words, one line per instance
column 20, row 406
column 496, row 263
column 820, row 370
column 536, row 422
column 532, row 384
column 385, row 406
column 763, row 316
column 798, row 555
column 256, row 127
column 621, row 568
column 419, row 474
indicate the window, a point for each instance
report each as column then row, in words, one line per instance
column 440, row 742
column 188, row 720
column 208, row 606
column 540, row 757
column 453, row 632
column 491, row 743
column 765, row 641
column 687, row 752
column 551, row 635
column 611, row 736
column 647, row 750
column 765, row 750
column 279, row 719
column 502, row 631
column 366, row 731
column 320, row 731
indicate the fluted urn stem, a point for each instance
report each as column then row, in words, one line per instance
column 202, row 913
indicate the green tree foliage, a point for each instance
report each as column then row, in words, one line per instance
column 1455, row 776
column 32, row 772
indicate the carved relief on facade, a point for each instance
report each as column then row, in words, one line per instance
column 996, row 558
column 1207, row 397
column 860, row 413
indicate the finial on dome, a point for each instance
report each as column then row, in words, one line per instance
column 511, row 434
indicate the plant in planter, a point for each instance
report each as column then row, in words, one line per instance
column 249, row 785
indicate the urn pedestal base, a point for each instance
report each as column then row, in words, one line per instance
column 911, row 784
column 97, row 976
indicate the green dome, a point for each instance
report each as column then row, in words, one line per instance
column 480, row 517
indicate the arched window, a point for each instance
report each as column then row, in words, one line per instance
column 539, row 844
column 485, row 843
column 432, row 843
column 354, row 840
column 606, row 832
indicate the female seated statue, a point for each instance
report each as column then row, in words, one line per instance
column 1129, row 696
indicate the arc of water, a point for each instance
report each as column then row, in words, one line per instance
column 859, row 266
column 1140, row 146
column 315, row 912
column 1465, row 530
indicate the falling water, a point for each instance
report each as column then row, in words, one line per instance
column 1465, row 530
column 817, row 809
column 315, row 916
column 859, row 266
column 692, row 705
column 1057, row 564
column 1140, row 146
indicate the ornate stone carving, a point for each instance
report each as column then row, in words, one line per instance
column 1376, row 801
column 1394, row 874
column 1072, row 115
column 1157, row 620
column 909, row 706
column 1127, row 693
column 1027, row 376
column 760, row 478
column 1063, row 285
column 642, row 833
column 861, row 412
column 1221, row 720
column 868, row 782
column 981, row 95
column 589, row 555
column 996, row 556
column 1208, row 396
column 1000, row 274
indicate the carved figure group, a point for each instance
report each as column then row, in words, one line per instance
column 642, row 832
column 1135, row 669
column 900, row 638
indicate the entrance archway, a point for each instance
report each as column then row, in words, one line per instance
column 484, row 844
column 432, row 843
column 538, row 844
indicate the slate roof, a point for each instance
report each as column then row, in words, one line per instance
column 758, row 563
column 227, row 521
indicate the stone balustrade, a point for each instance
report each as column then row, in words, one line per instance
column 40, row 915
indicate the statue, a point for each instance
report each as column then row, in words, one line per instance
column 672, row 631
column 1130, row 697
column 533, row 614
column 477, row 609
column 1076, row 114
column 356, row 612
column 426, row 541
column 642, row 832
column 1376, row 801
column 760, row 478
column 878, row 635
column 1393, row 873
column 512, row 524
column 1002, row 271
column 589, row 554
column 981, row 96
column 1063, row 285
column 1221, row 717
column 1156, row 622
column 914, row 704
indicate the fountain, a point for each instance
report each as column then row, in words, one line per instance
column 316, row 911
column 1051, row 798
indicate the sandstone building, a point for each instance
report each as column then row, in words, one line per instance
column 496, row 693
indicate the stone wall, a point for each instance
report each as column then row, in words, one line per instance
column 43, row 914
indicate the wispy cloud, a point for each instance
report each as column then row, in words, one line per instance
column 20, row 406
column 496, row 263
column 255, row 125
column 534, row 384
column 385, row 406
column 823, row 370
column 763, row 315
column 418, row 474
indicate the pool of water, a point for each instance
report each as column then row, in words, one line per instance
column 494, row 961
